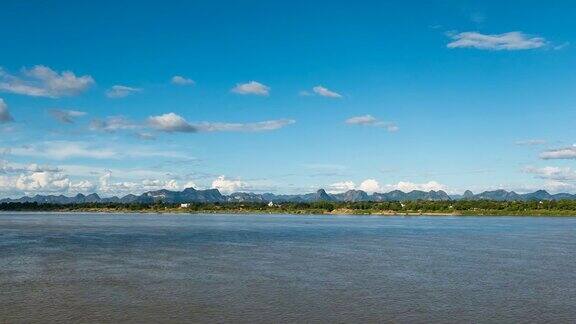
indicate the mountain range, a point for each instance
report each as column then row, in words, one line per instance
column 191, row 195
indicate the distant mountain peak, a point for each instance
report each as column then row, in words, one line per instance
column 213, row 195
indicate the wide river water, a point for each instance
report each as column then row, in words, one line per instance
column 280, row 268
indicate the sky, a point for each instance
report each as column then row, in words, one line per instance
column 286, row 96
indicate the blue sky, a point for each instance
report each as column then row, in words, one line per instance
column 286, row 97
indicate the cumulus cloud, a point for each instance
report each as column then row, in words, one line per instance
column 530, row 142
column 427, row 186
column 120, row 91
column 83, row 186
column 42, row 81
column 112, row 124
column 5, row 116
column 567, row 153
column 369, row 185
column 251, row 88
column 65, row 116
column 372, row 185
column 154, row 184
column 43, row 182
column 171, row 123
column 227, row 186
column 324, row 92
column 180, row 80
column 107, row 186
column 21, row 179
column 368, row 120
column 341, row 187
column 511, row 41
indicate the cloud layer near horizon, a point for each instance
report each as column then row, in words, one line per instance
column 371, row 186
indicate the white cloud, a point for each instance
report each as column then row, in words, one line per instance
column 251, row 88
column 5, row 116
column 339, row 187
column 83, row 186
column 43, row 182
column 324, row 92
column 227, row 186
column 507, row 41
column 65, row 116
column 190, row 184
column 552, row 173
column 368, row 120
column 155, row 184
column 171, row 123
column 362, row 120
column 120, row 91
column 262, row 126
column 20, row 179
column 8, row 185
column 567, row 153
column 552, row 186
column 371, row 185
column 112, row 124
column 6, row 167
column 427, row 186
column 180, row 80
column 41, row 81
column 42, row 168
column 530, row 142
column 558, row 186
column 107, row 186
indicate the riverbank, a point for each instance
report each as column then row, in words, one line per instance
column 385, row 208
column 335, row 212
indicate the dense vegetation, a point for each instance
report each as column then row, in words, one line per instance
column 461, row 207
